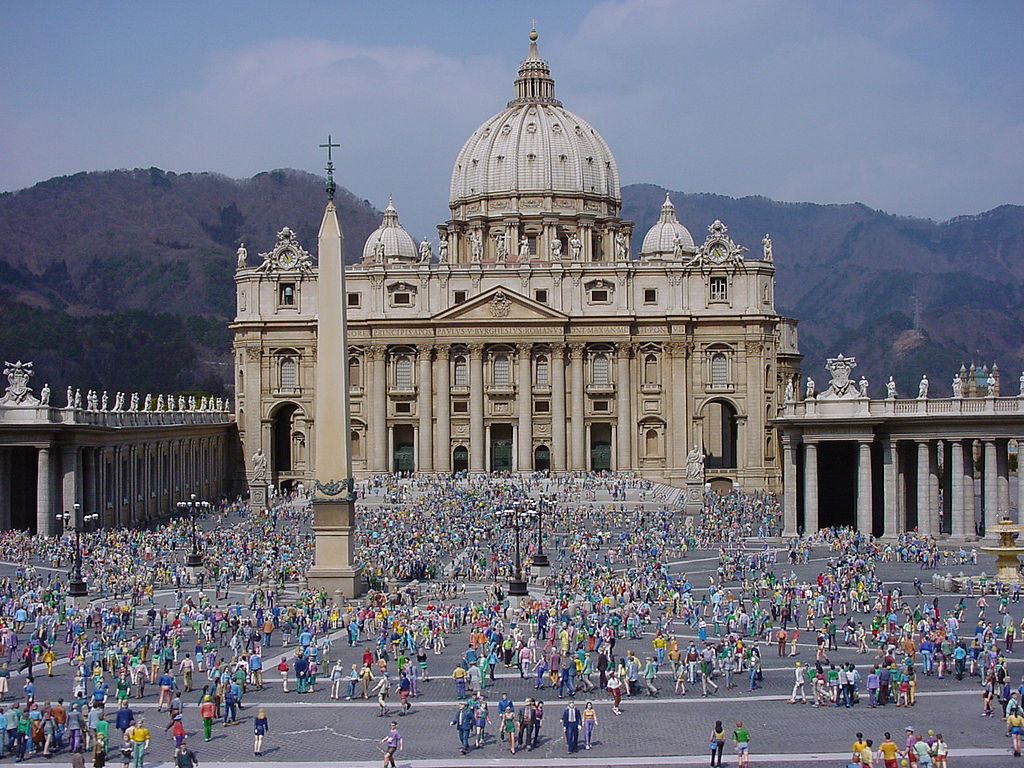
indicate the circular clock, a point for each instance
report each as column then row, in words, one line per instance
column 287, row 258
column 717, row 254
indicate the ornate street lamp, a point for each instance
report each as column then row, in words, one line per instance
column 77, row 586
column 540, row 560
column 514, row 519
column 194, row 559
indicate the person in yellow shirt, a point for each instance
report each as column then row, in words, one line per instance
column 858, row 745
column 48, row 658
column 1015, row 724
column 888, row 750
column 140, row 743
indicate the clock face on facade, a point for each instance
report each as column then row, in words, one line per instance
column 287, row 258
column 717, row 254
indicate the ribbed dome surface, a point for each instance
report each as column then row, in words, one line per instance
column 389, row 240
column 660, row 240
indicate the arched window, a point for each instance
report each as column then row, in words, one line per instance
column 357, row 445
column 651, row 442
column 768, row 377
column 501, row 370
column 599, row 369
column 542, row 371
column 719, row 369
column 289, row 373
column 461, row 373
column 650, row 369
column 241, row 381
column 403, row 372
column 355, row 372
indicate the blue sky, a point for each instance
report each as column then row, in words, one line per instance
column 913, row 107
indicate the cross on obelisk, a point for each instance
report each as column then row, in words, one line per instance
column 331, row 186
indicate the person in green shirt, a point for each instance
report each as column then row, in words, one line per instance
column 742, row 738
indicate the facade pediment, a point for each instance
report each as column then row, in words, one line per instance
column 499, row 304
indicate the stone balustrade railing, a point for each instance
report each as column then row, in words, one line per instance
column 910, row 407
column 45, row 414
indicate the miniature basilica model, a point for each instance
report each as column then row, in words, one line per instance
column 530, row 337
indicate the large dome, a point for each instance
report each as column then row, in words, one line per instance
column 534, row 146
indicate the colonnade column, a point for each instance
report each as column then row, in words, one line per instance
column 1002, row 476
column 69, row 478
column 810, row 487
column 425, row 441
column 864, row 507
column 1020, row 479
column 957, row 507
column 44, row 507
column 789, row 487
column 558, row 443
column 579, row 434
column 990, row 488
column 623, row 408
column 524, row 402
column 5, row 489
column 378, row 421
column 476, row 407
column 890, row 500
column 89, row 461
column 925, row 513
column 443, row 444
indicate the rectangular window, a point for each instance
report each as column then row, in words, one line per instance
column 600, row 370
column 460, row 296
column 460, row 406
column 401, row 299
column 403, row 407
column 541, row 295
column 650, row 295
column 719, row 369
column 601, row 406
column 286, row 294
column 501, row 371
column 542, row 406
column 532, row 242
column 542, row 372
column 599, row 296
column 719, row 289
column 353, row 300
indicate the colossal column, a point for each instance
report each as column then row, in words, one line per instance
column 579, row 434
column 334, row 501
column 789, row 487
column 957, row 512
column 1002, row 476
column 425, row 443
column 44, row 508
column 443, row 444
column 990, row 488
column 810, row 487
column 925, row 514
column 559, row 460
column 864, row 522
column 378, row 399
column 623, row 420
column 890, row 501
column 5, row 489
column 69, row 474
column 525, row 406
column 476, row 407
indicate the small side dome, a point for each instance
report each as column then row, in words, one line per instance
column 390, row 241
column 667, row 239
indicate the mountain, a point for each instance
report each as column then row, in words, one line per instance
column 123, row 279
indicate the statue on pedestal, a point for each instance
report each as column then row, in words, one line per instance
column 787, row 397
column 442, row 252
column 1021, row 394
column 809, row 393
column 958, row 386
column 766, row 245
column 71, row 398
column 426, row 252
column 863, row 384
column 621, row 247
column 922, row 388
column 695, row 464
column 242, row 255
column 259, row 467
column 44, row 395
column 159, row 403
column 133, row 406
column 575, row 247
column 890, row 389
column 147, row 404
column 524, row 248
column 992, row 384
column 476, row 246
column 556, row 249
column 500, row 248
column 78, row 398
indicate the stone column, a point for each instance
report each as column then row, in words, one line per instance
column 957, row 506
column 559, row 459
column 524, row 440
column 1020, row 479
column 990, row 488
column 69, row 475
column 864, row 522
column 579, row 434
column 677, row 384
column 425, row 439
column 890, row 502
column 90, row 504
column 5, row 489
column 476, row 408
column 443, row 444
column 970, row 497
column 789, row 487
column 378, row 408
column 623, row 410
column 925, row 513
column 810, row 487
column 1003, row 476
column 44, row 507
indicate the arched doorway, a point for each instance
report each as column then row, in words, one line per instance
column 501, row 448
column 600, row 447
column 542, row 458
column 281, row 437
column 404, row 458
column 460, row 459
column 720, row 434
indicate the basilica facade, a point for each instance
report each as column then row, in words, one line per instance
column 531, row 337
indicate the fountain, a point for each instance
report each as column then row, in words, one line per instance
column 1007, row 552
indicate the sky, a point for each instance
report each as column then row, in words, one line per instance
column 913, row 107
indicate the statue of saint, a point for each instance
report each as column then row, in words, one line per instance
column 44, row 395
column 863, row 384
column 425, row 251
column 575, row 247
column 890, row 389
column 809, row 393
column 695, row 464
column 442, row 252
column 133, row 406
column 766, row 244
column 788, row 396
column 922, row 388
column 556, row 249
column 958, row 386
column 621, row 247
column 160, row 402
column 147, row 404
column 1021, row 386
column 677, row 248
column 71, row 398
column 242, row 255
column 500, row 248
column 378, row 251
column 476, row 246
column 78, row 398
column 259, row 467
column 993, row 385
column 524, row 248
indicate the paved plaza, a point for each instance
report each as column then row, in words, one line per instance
column 666, row 729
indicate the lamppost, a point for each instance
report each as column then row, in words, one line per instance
column 514, row 520
column 77, row 586
column 193, row 559
column 540, row 560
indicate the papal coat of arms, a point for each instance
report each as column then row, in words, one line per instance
column 18, row 392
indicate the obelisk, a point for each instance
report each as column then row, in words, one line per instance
column 333, row 501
